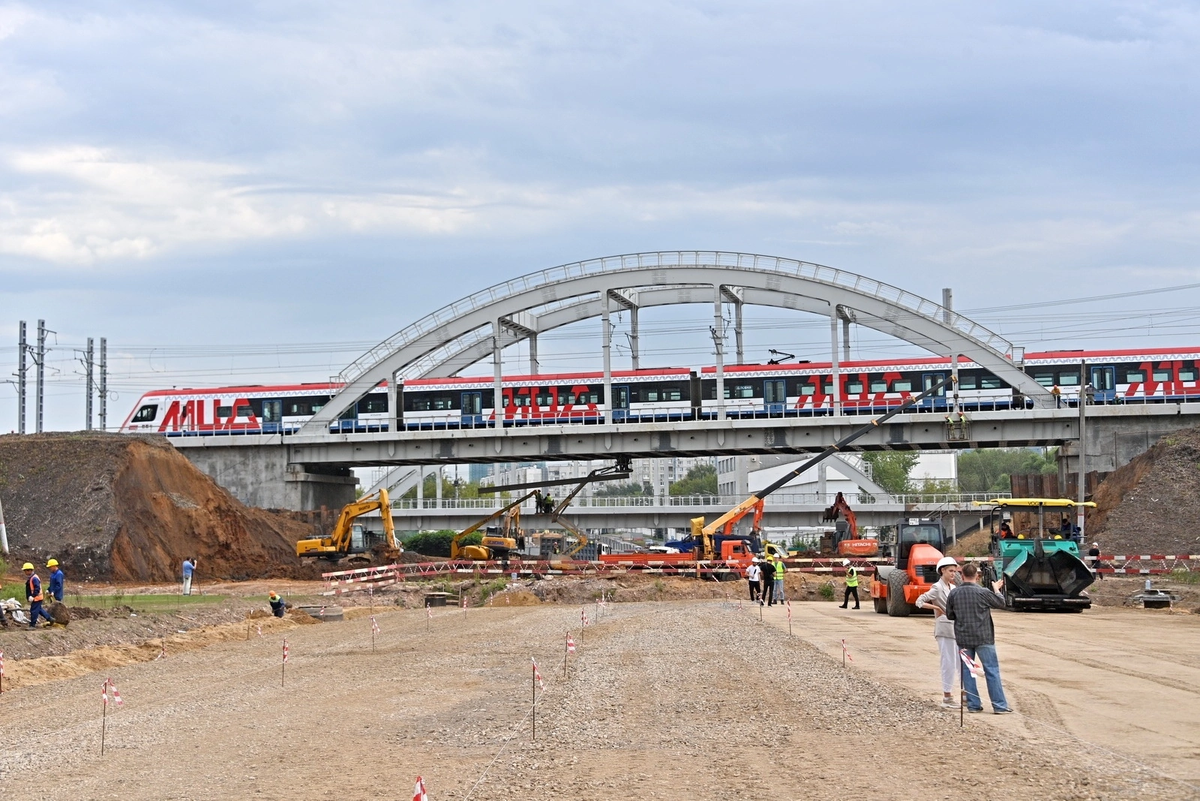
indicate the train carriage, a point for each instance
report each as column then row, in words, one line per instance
column 667, row 394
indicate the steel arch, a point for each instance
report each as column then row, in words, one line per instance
column 460, row 334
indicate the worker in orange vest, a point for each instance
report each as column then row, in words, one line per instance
column 33, row 594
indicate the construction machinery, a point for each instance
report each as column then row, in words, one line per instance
column 703, row 535
column 499, row 542
column 918, row 546
column 350, row 540
column 845, row 540
column 1042, row 570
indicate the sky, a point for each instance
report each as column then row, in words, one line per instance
column 254, row 192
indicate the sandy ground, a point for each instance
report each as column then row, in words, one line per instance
column 671, row 700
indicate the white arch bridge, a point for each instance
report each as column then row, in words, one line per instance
column 316, row 462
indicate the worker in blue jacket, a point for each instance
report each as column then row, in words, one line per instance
column 56, row 580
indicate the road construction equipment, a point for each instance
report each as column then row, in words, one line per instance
column 1042, row 570
column 349, row 539
column 918, row 551
column 845, row 540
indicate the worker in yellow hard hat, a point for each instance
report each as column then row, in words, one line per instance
column 56, row 580
column 33, row 594
column 278, row 605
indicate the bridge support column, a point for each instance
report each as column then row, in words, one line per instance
column 718, row 335
column 533, row 354
column 497, row 380
column 606, row 345
column 837, row 384
column 264, row 477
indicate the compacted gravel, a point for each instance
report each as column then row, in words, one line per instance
column 670, row 700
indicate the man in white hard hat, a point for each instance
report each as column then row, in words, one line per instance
column 753, row 578
column 949, row 576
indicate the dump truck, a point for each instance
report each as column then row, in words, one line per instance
column 351, row 540
column 1042, row 569
column 919, row 544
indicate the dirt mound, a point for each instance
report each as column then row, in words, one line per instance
column 122, row 508
column 1151, row 505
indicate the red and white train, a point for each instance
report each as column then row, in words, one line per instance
column 777, row 390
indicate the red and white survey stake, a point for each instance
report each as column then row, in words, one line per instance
column 583, row 617
column 260, row 629
column 537, row 674
column 104, row 707
column 973, row 665
column 846, row 653
column 1, row 671
column 419, row 790
column 374, row 625
column 570, row 644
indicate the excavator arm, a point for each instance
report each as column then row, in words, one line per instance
column 842, row 509
column 338, row 543
column 456, row 543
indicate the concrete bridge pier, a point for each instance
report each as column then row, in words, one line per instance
column 264, row 477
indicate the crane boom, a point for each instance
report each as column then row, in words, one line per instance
column 755, row 501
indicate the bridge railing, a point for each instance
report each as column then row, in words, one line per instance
column 709, row 502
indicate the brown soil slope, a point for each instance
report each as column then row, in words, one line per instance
column 1152, row 504
column 122, row 508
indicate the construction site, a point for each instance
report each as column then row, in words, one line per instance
column 490, row 678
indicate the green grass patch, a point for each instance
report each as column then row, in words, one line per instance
column 1185, row 576
column 145, row 603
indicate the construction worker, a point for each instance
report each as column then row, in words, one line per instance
column 851, row 584
column 780, row 571
column 189, row 567
column 753, row 578
column 278, row 605
column 33, row 594
column 56, row 580
column 768, row 591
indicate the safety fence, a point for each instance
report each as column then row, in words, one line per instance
column 340, row 582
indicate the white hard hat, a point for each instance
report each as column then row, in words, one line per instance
column 1095, row 545
column 946, row 561
column 846, row 563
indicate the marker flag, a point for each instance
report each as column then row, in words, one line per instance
column 973, row 665
column 583, row 616
column 116, row 695
column 846, row 651
column 419, row 790
column 429, row 612
column 260, row 629
column 789, row 610
column 1, row 663
column 285, row 650
column 374, row 625
column 537, row 674
column 570, row 643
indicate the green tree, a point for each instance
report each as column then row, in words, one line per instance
column 990, row 470
column 623, row 490
column 700, row 480
column 890, row 469
column 437, row 543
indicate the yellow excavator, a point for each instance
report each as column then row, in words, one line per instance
column 348, row 538
column 500, row 545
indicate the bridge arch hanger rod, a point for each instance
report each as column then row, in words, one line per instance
column 444, row 342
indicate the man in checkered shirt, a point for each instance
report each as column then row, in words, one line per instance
column 970, row 607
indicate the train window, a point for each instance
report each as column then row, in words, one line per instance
column 227, row 411
column 854, row 387
column 827, row 389
column 672, row 393
column 990, row 382
column 442, row 403
column 146, row 414
column 1068, row 379
column 1162, row 375
column 1134, row 376
column 545, row 400
column 1187, row 373
column 1043, row 378
column 373, row 403
column 967, row 381
column 649, row 395
column 878, row 385
column 419, row 404
column 808, row 389
column 902, row 385
column 739, row 391
column 245, row 411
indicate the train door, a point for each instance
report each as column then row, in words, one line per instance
column 272, row 416
column 1104, row 382
column 472, row 409
column 620, row 403
column 937, row 400
column 774, row 397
